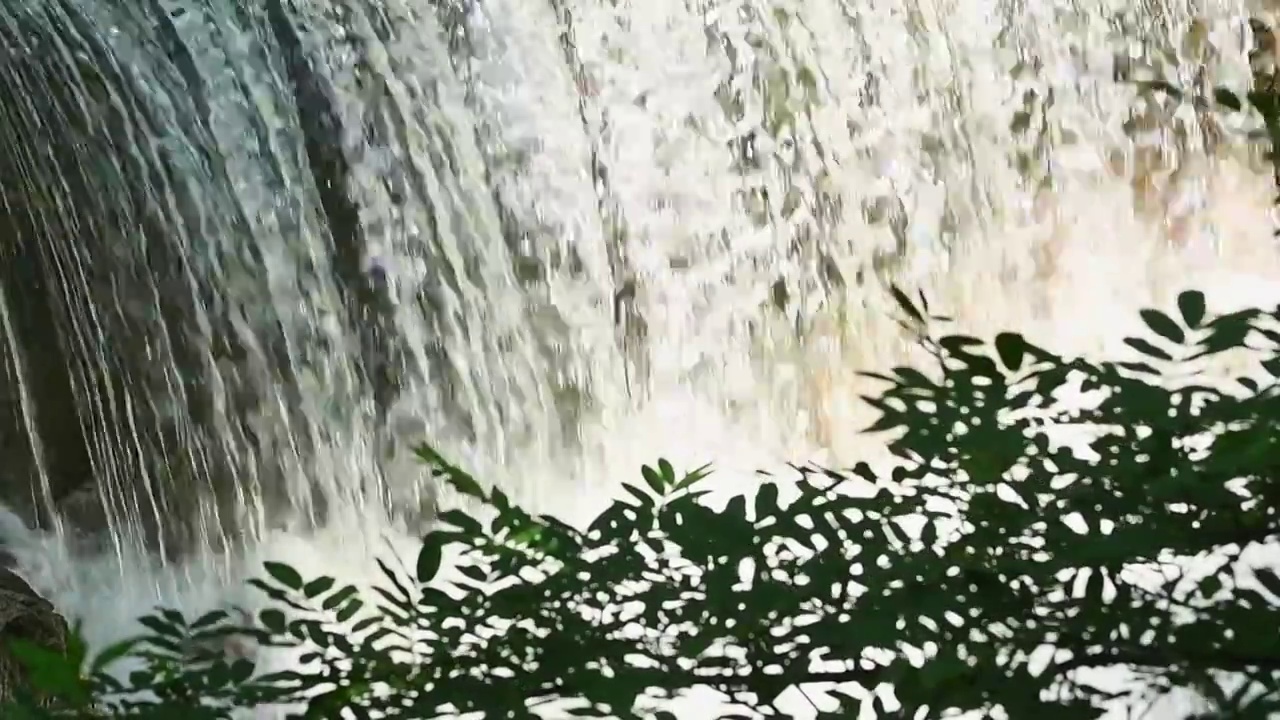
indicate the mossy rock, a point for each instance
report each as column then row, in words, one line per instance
column 27, row 616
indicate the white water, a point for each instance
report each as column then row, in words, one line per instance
column 944, row 75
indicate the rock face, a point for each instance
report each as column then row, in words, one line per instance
column 129, row 391
column 26, row 615
column 73, row 277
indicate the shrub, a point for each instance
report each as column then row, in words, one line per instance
column 988, row 570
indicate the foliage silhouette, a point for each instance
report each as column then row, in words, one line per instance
column 987, row 568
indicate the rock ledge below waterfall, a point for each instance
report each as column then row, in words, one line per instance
column 25, row 614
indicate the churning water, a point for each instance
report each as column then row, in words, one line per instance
column 254, row 250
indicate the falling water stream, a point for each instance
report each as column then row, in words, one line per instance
column 255, row 250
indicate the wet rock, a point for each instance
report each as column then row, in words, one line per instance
column 90, row 362
column 25, row 615
column 40, row 423
column 366, row 293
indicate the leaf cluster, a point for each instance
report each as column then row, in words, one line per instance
column 1018, row 541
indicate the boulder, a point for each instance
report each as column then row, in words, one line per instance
column 26, row 615
column 104, row 193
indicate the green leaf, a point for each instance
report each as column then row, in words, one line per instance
column 454, row 476
column 430, row 556
column 1137, row 367
column 529, row 535
column 317, row 587
column 241, row 671
column 653, row 480
column 159, row 627
column 958, row 344
column 1011, row 347
column 112, row 653
column 1163, row 325
column 644, row 501
column 76, row 647
column 283, row 574
column 461, row 520
column 1192, row 307
column 209, row 619
column 477, row 574
column 912, row 378
column 349, row 611
column 1272, row 366
column 1093, row 586
column 1224, row 97
column 929, row 534
column 905, row 304
column 338, row 598
column 173, row 617
column 1146, row 348
column 766, row 501
column 500, row 501
column 1269, row 579
column 48, row 671
column 273, row 620
column 693, row 477
column 667, row 472
column 400, row 593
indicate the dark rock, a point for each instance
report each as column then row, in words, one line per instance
column 25, row 615
column 366, row 293
column 129, row 376
column 73, row 279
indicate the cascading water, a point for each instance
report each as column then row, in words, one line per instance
column 253, row 250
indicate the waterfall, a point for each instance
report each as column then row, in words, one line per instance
column 253, row 251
